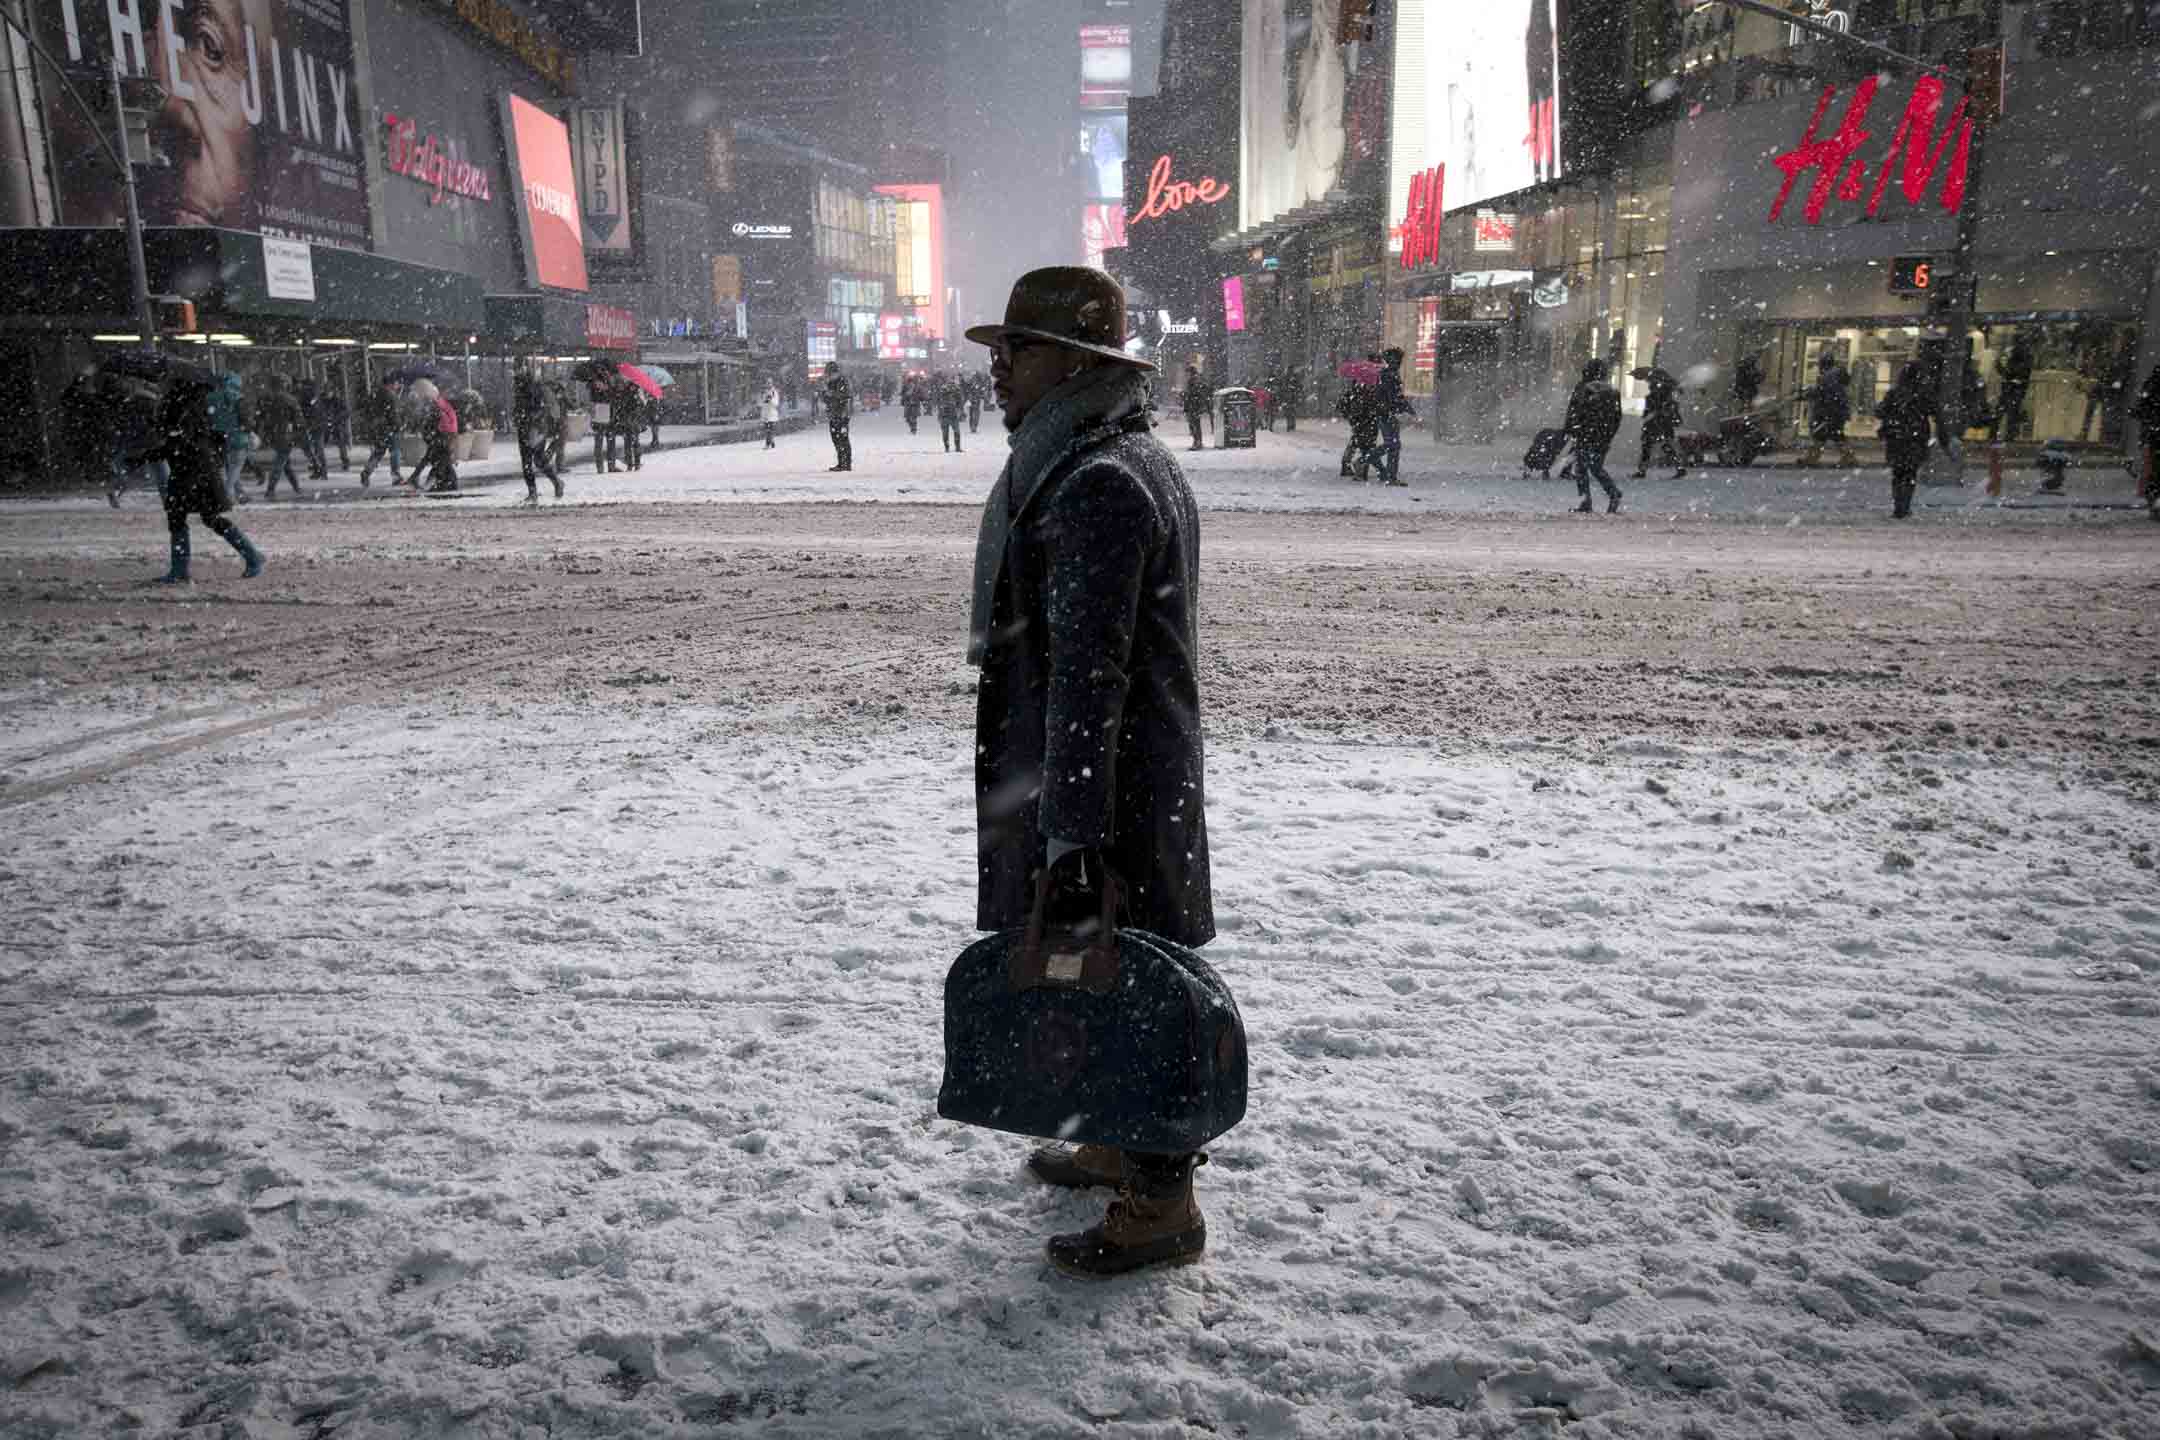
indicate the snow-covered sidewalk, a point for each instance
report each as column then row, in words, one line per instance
column 465, row 1068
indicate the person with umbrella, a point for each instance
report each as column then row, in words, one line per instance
column 192, row 444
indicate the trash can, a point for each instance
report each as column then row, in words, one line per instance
column 1239, row 417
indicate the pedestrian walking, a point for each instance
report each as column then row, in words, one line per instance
column 309, row 398
column 278, row 416
column 1088, row 751
column 629, row 420
column 538, row 423
column 651, row 407
column 1829, row 411
column 2016, row 376
column 134, row 444
column 911, row 401
column 193, row 446
column 1906, row 414
column 1747, row 383
column 601, row 389
column 1593, row 419
column 229, row 417
column 978, row 390
column 336, row 420
column 1293, row 394
column 839, row 411
column 769, row 412
column 1359, row 408
column 379, row 420
column 1197, row 403
column 2147, row 414
column 441, row 460
column 85, row 432
column 1391, row 402
column 1661, row 422
column 950, row 404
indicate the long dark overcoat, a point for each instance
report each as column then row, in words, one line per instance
column 194, row 448
column 1087, row 721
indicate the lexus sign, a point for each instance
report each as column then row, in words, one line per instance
column 744, row 230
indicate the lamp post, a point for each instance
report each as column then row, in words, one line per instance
column 147, row 326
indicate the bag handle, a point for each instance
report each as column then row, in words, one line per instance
column 1064, row 956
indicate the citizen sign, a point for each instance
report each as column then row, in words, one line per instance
column 744, row 230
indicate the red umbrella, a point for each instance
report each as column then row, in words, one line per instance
column 639, row 378
column 1361, row 372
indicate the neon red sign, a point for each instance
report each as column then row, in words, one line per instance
column 1420, row 228
column 1837, row 168
column 1165, row 195
column 434, row 163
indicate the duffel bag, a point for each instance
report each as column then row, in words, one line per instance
column 1092, row 1034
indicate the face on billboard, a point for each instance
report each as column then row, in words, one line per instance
column 1487, row 74
column 546, row 194
column 255, row 122
column 1102, row 143
column 1312, row 105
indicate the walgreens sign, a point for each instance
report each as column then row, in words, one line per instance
column 1915, row 156
column 437, row 163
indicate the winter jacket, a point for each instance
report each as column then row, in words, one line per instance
column 2147, row 410
column 1830, row 402
column 228, row 417
column 193, row 446
column 445, row 417
column 1661, row 408
column 950, row 401
column 1906, row 414
column 1391, row 398
column 1085, row 621
column 839, row 400
column 532, row 406
column 769, row 407
column 1593, row 415
column 1197, row 398
column 279, row 419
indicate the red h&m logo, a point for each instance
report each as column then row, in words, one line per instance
column 1836, row 166
column 1420, row 228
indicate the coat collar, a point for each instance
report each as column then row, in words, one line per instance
column 1084, row 412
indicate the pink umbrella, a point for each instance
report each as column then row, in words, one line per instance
column 639, row 378
column 1359, row 372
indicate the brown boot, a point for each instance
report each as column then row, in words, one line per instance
column 1154, row 1221
column 1077, row 1169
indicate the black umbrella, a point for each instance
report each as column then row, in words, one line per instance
column 155, row 366
column 591, row 370
column 413, row 370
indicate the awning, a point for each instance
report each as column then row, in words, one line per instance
column 560, row 322
column 79, row 279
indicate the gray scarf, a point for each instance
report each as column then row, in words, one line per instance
column 1081, row 413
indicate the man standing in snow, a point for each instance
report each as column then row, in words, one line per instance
column 1087, row 723
column 839, row 412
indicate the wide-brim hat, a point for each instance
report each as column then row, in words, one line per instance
column 1069, row 305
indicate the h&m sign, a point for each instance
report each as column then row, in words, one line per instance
column 1420, row 228
column 1837, row 167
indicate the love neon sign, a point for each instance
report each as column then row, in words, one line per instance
column 1165, row 195
column 1420, row 228
column 1838, row 168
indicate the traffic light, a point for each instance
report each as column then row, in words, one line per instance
column 174, row 316
column 1914, row 275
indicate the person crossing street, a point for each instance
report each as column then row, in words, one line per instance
column 533, row 413
column 1593, row 419
column 950, row 402
column 839, row 410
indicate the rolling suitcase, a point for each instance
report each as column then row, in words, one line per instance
column 1543, row 452
column 1111, row 1037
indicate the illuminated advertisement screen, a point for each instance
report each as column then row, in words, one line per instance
column 919, row 252
column 1312, row 106
column 1105, row 66
column 1477, row 90
column 545, row 183
column 1233, row 303
column 1103, row 139
column 1102, row 227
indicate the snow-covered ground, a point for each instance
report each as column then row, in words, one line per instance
column 465, row 1054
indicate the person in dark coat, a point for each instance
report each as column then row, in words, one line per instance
column 132, row 436
column 628, row 419
column 839, row 414
column 911, row 401
column 1829, row 410
column 1747, row 379
column 1593, row 419
column 441, row 460
column 2016, row 375
column 1907, row 414
column 309, row 398
column 379, row 422
column 1391, row 402
column 951, row 401
column 193, row 445
column 1661, row 422
column 1088, row 755
column 85, row 435
column 533, row 414
column 978, row 390
column 2147, row 414
column 1359, row 405
column 1197, row 403
column 336, row 420
column 277, row 418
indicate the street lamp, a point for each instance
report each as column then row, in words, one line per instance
column 120, row 163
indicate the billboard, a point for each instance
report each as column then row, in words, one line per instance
column 544, row 183
column 1102, row 227
column 1106, row 67
column 919, row 252
column 255, row 121
column 1477, row 91
column 1312, row 106
column 1104, row 142
column 607, row 187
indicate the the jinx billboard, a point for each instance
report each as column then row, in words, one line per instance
column 254, row 116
